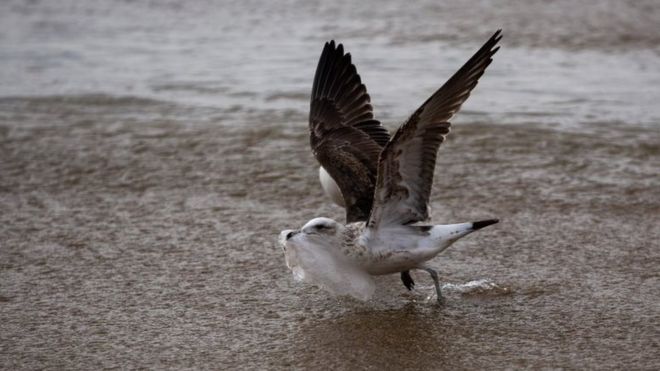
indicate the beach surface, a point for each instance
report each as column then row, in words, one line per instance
column 147, row 168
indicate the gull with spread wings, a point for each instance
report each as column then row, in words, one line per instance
column 384, row 183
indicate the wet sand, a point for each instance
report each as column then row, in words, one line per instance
column 150, row 153
column 140, row 233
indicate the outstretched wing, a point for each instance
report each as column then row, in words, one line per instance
column 344, row 136
column 407, row 163
column 350, row 157
column 339, row 98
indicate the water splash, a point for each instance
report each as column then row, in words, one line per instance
column 481, row 285
column 484, row 286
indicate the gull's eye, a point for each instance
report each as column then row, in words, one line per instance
column 323, row 227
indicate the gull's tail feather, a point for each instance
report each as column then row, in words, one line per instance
column 443, row 236
column 484, row 223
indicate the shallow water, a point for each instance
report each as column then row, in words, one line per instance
column 561, row 64
column 147, row 166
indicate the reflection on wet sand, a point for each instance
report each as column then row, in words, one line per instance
column 378, row 338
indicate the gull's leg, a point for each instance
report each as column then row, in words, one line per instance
column 407, row 280
column 434, row 275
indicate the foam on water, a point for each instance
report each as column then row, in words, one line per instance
column 480, row 287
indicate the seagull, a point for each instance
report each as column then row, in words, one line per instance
column 383, row 182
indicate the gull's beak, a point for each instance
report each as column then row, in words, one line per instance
column 483, row 223
column 285, row 235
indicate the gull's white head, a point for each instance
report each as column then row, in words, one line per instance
column 317, row 235
column 318, row 231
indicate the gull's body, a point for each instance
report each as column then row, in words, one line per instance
column 330, row 187
column 357, row 249
column 384, row 183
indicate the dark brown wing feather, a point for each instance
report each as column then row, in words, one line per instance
column 407, row 164
column 340, row 107
column 350, row 157
column 339, row 98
